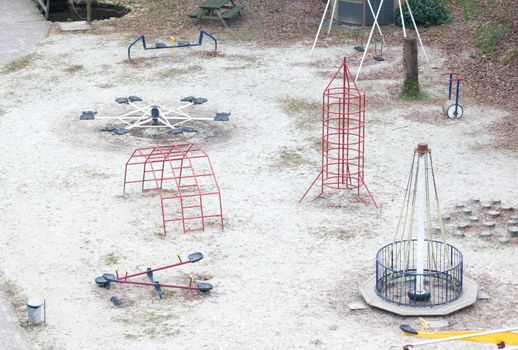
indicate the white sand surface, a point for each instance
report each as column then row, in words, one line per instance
column 281, row 270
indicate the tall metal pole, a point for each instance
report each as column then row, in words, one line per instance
column 332, row 17
column 421, row 209
column 368, row 41
column 320, row 28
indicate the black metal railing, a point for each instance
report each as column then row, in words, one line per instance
column 397, row 280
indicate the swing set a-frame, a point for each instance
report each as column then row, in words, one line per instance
column 378, row 56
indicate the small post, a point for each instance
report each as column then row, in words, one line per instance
column 89, row 11
column 411, row 65
column 449, row 88
column 457, row 97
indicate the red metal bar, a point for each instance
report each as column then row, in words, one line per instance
column 343, row 136
column 187, row 152
column 153, row 270
column 452, row 73
column 161, row 285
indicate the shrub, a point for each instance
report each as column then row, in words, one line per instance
column 489, row 35
column 471, row 8
column 426, row 13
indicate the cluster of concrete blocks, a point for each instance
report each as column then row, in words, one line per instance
column 489, row 219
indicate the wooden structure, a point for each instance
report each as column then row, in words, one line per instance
column 44, row 6
column 217, row 9
column 360, row 12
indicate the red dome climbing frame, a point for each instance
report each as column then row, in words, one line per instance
column 343, row 136
column 183, row 176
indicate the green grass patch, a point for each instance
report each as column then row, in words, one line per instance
column 411, row 91
column 506, row 58
column 19, row 64
column 471, row 8
column 307, row 114
column 178, row 72
column 111, row 259
column 74, row 68
column 488, row 36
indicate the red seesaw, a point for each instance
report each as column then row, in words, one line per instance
column 107, row 278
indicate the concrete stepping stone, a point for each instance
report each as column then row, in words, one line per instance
column 459, row 205
column 497, row 202
column 467, row 211
column 475, row 200
column 485, row 234
column 513, row 230
column 493, row 213
column 473, row 218
column 438, row 323
column 481, row 295
column 511, row 222
column 356, row 304
column 489, row 224
column 486, row 205
column 446, row 217
column 463, row 225
column 73, row 26
column 507, row 207
column 514, row 217
column 503, row 240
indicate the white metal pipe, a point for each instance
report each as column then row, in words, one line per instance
column 184, row 106
column 368, row 41
column 319, row 28
column 402, row 18
column 120, row 117
column 139, row 108
column 418, row 35
column 458, row 337
column 332, row 17
column 377, row 24
column 421, row 209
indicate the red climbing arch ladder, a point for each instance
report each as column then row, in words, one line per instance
column 183, row 176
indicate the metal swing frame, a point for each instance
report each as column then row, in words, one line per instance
column 331, row 24
column 375, row 24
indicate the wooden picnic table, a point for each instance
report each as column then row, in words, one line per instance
column 217, row 9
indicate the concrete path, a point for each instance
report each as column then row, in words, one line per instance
column 10, row 335
column 22, row 27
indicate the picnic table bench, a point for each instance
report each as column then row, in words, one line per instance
column 217, row 9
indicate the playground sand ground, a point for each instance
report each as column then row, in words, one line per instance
column 282, row 271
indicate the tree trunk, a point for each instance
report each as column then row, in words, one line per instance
column 411, row 65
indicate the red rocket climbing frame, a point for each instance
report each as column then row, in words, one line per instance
column 183, row 176
column 343, row 136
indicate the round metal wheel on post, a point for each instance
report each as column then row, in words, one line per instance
column 452, row 108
